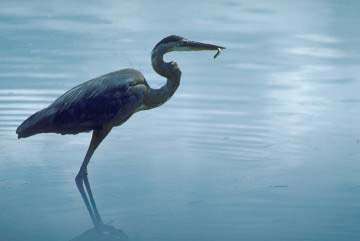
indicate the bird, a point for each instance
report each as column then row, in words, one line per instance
column 100, row 104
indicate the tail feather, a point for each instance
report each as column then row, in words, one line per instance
column 37, row 123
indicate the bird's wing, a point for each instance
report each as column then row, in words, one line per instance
column 111, row 98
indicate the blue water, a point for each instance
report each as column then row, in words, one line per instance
column 262, row 143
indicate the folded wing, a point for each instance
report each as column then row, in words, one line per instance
column 109, row 99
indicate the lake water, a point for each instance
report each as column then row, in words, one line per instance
column 262, row 143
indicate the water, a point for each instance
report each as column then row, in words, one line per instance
column 260, row 144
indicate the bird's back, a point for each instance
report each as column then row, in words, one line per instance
column 110, row 98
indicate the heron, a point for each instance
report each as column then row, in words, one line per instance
column 100, row 104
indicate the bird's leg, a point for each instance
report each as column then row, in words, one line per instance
column 81, row 177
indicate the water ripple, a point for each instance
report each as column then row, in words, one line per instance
column 35, row 92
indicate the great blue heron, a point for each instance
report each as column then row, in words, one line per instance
column 100, row 104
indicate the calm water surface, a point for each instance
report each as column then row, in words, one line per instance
column 262, row 143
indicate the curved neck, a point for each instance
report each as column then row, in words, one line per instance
column 156, row 97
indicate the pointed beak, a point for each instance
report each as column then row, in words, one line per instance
column 188, row 45
column 197, row 46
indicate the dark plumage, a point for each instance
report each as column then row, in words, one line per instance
column 108, row 99
column 170, row 39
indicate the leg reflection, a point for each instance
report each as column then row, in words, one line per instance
column 79, row 183
column 101, row 231
column 92, row 201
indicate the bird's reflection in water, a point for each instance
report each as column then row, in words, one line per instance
column 100, row 231
column 107, row 233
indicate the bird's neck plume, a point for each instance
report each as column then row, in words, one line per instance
column 170, row 71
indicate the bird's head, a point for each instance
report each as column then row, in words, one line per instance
column 177, row 43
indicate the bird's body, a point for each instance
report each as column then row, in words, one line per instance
column 107, row 101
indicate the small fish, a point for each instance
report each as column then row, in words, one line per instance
column 217, row 53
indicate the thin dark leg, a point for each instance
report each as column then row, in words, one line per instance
column 81, row 177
